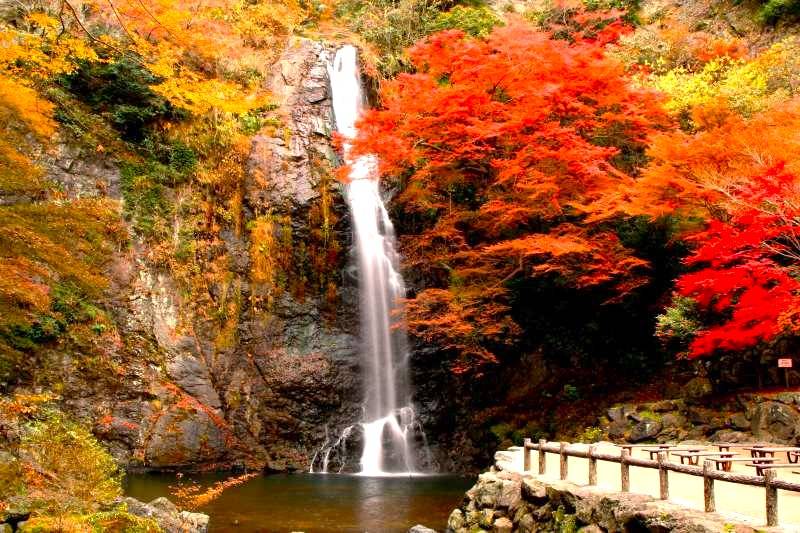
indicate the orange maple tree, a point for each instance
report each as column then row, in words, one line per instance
column 503, row 150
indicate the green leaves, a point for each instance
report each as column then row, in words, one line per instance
column 476, row 21
column 121, row 90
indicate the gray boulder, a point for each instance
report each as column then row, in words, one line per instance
column 168, row 516
column 503, row 525
column 646, row 429
column 773, row 420
column 456, row 521
column 421, row 529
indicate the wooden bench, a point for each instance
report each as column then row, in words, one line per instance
column 630, row 447
column 653, row 449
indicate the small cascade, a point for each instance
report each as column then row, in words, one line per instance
column 389, row 428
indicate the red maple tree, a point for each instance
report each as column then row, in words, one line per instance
column 745, row 278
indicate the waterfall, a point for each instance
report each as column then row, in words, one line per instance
column 389, row 425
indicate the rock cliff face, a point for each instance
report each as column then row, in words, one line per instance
column 257, row 362
column 256, row 381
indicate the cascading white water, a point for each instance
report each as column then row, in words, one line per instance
column 389, row 422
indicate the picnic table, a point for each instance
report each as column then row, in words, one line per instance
column 654, row 451
column 792, row 452
column 760, row 467
column 662, row 446
column 693, row 457
column 726, row 446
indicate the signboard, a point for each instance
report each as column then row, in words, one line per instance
column 784, row 363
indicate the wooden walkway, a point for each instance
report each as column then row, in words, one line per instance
column 772, row 499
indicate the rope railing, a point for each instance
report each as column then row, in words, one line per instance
column 709, row 474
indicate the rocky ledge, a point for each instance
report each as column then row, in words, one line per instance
column 504, row 501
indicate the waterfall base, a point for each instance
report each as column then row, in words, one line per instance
column 388, row 446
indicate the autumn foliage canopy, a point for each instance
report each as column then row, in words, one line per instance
column 504, row 150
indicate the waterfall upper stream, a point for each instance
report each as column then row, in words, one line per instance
column 388, row 425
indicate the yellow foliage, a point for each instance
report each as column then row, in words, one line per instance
column 193, row 496
column 22, row 114
column 21, row 107
column 745, row 86
column 41, row 50
column 208, row 54
column 263, row 250
column 200, row 96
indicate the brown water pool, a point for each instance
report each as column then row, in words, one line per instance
column 320, row 503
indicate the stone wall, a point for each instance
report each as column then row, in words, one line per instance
column 745, row 417
column 504, row 501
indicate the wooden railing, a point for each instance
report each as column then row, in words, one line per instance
column 625, row 460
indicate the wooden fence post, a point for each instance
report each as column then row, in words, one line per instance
column 772, row 497
column 708, row 486
column 592, row 465
column 625, row 470
column 526, row 455
column 562, row 453
column 663, row 473
column 542, row 457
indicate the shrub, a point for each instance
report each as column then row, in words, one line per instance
column 55, row 253
column 591, row 434
column 147, row 202
column 679, row 323
column 63, row 469
column 120, row 89
column 775, row 10
column 390, row 26
column 725, row 82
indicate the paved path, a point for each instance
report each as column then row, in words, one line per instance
column 739, row 502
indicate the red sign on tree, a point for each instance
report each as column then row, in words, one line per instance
column 784, row 363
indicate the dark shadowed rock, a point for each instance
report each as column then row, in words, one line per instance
column 618, row 429
column 728, row 435
column 739, row 421
column 616, row 414
column 697, row 389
